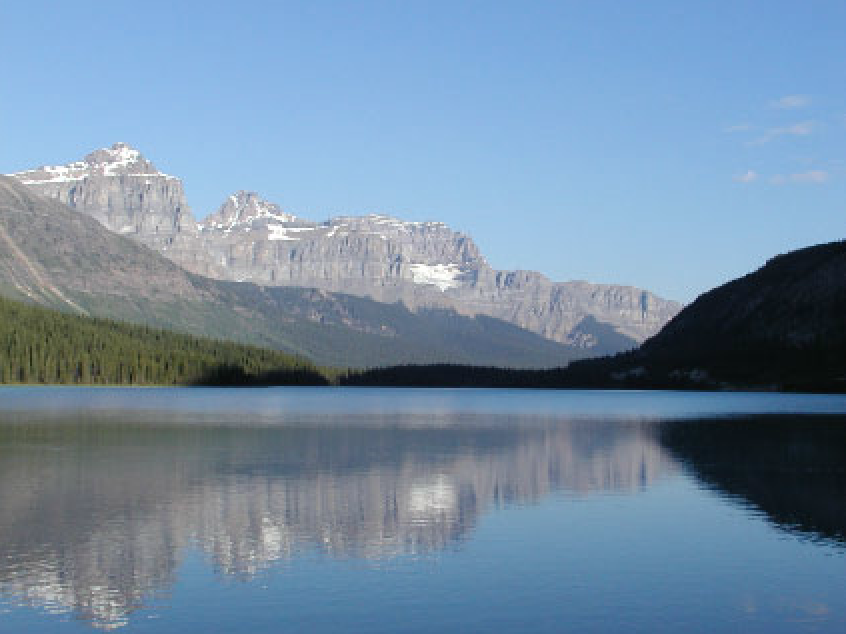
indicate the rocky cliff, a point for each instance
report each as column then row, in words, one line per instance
column 129, row 196
column 58, row 257
column 421, row 264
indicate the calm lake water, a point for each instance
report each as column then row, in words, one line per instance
column 367, row 510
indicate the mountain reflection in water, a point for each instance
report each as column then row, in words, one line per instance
column 96, row 516
column 792, row 468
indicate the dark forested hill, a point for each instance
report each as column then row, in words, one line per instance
column 783, row 326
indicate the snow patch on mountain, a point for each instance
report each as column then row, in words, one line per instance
column 241, row 210
column 118, row 160
column 282, row 232
column 444, row 276
column 379, row 223
column 54, row 174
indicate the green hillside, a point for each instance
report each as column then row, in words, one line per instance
column 39, row 345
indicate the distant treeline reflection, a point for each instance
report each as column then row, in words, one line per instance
column 793, row 468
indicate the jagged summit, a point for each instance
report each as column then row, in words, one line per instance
column 420, row 264
column 125, row 192
column 119, row 159
column 242, row 208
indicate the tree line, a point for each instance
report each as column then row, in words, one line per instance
column 40, row 345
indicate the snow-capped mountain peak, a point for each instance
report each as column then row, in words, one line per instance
column 420, row 264
column 119, row 159
column 243, row 208
column 119, row 156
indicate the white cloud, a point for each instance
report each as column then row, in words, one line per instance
column 800, row 129
column 803, row 128
column 749, row 176
column 740, row 127
column 812, row 177
column 791, row 102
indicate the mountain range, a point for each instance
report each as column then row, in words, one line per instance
column 57, row 257
column 426, row 267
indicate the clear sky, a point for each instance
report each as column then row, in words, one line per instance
column 668, row 145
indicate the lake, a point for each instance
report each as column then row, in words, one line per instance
column 380, row 510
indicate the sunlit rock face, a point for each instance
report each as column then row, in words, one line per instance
column 374, row 256
column 101, row 526
column 123, row 190
column 422, row 264
column 128, row 195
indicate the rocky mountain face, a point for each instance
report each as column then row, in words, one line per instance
column 122, row 190
column 421, row 264
column 129, row 196
column 418, row 263
column 58, row 257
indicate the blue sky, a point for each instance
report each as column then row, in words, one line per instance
column 667, row 145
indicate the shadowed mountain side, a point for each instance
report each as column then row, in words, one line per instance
column 781, row 327
column 608, row 340
column 791, row 468
column 57, row 257
column 101, row 525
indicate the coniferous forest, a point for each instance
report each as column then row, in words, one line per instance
column 39, row 345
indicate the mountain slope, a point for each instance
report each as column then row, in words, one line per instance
column 783, row 326
column 58, row 257
column 422, row 264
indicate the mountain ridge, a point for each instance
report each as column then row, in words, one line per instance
column 780, row 327
column 424, row 265
column 64, row 259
